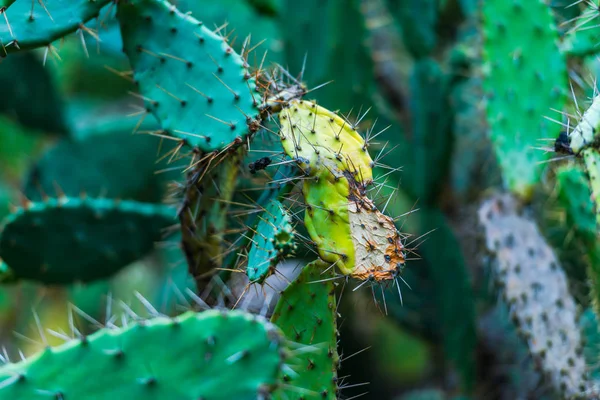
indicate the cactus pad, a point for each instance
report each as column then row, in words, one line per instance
column 36, row 24
column 193, row 82
column 306, row 313
column 591, row 158
column 273, row 240
column 312, row 134
column 535, row 286
column 210, row 355
column 115, row 165
column 525, row 77
column 64, row 240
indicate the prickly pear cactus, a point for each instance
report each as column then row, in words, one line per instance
column 63, row 240
column 272, row 241
column 345, row 224
column 307, row 314
column 210, row 355
column 29, row 24
column 190, row 78
column 525, row 77
column 535, row 288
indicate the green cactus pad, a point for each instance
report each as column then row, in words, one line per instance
column 312, row 135
column 65, row 240
column 591, row 158
column 535, row 286
column 29, row 94
column 327, row 221
column 242, row 20
column 113, row 165
column 525, row 77
column 210, row 355
column 306, row 313
column 273, row 240
column 197, row 87
column 575, row 198
column 37, row 24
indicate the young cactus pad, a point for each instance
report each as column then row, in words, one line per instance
column 208, row 355
column 535, row 286
column 525, row 77
column 347, row 228
column 193, row 82
column 60, row 241
column 311, row 134
column 306, row 313
column 273, row 239
column 35, row 24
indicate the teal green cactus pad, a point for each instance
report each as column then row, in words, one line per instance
column 209, row 355
column 113, row 165
column 37, row 24
column 525, row 77
column 65, row 240
column 29, row 95
column 243, row 20
column 306, row 313
column 273, row 240
column 193, row 82
column 417, row 21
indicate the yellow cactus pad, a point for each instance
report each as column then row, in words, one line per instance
column 350, row 231
column 311, row 134
column 327, row 220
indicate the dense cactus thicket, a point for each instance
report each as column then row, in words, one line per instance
column 321, row 199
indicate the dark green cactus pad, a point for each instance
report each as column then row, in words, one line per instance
column 417, row 20
column 273, row 240
column 210, row 355
column 117, row 165
column 525, row 77
column 306, row 313
column 29, row 94
column 197, row 87
column 37, row 24
column 64, row 240
column 575, row 198
column 427, row 151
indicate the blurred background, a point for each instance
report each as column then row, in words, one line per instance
column 67, row 114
